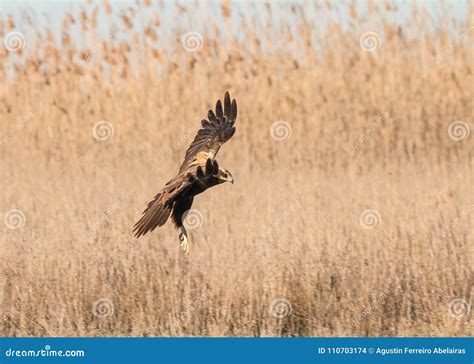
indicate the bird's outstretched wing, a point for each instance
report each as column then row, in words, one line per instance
column 216, row 130
column 159, row 209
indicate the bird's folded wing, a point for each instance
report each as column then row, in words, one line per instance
column 216, row 130
column 159, row 209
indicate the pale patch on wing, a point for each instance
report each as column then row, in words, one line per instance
column 202, row 157
column 215, row 131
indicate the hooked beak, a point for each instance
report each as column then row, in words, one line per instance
column 226, row 176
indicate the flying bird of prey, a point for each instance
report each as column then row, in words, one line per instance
column 198, row 172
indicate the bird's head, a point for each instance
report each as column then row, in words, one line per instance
column 223, row 175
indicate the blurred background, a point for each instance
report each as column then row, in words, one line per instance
column 353, row 205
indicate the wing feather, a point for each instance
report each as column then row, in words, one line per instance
column 215, row 131
column 159, row 209
column 219, row 112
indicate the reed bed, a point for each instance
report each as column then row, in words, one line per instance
column 352, row 211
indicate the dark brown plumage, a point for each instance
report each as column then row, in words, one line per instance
column 198, row 172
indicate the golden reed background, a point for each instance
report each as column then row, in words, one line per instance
column 366, row 122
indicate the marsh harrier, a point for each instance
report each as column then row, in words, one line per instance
column 198, row 172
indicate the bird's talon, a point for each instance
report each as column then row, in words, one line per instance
column 184, row 243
